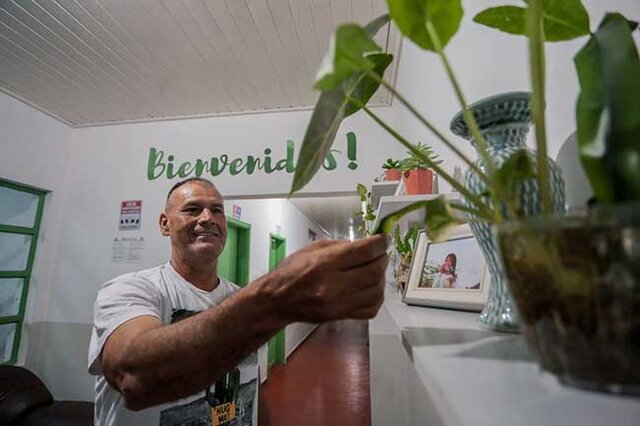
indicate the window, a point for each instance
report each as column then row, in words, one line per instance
column 20, row 214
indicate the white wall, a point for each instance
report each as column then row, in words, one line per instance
column 109, row 164
column 34, row 151
column 90, row 171
column 488, row 62
column 278, row 217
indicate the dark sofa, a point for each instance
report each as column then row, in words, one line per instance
column 26, row 401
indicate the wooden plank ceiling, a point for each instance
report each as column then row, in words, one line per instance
column 92, row 62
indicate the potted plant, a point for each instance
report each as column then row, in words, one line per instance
column 584, row 320
column 404, row 246
column 418, row 177
column 392, row 170
column 366, row 211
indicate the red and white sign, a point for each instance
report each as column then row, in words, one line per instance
column 130, row 215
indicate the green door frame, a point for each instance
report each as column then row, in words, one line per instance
column 276, row 347
column 34, row 232
column 244, row 248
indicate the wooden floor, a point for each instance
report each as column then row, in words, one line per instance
column 325, row 381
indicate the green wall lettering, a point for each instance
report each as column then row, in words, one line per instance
column 352, row 150
column 330, row 162
column 287, row 163
column 201, row 166
column 218, row 164
column 267, row 161
column 237, row 166
column 159, row 165
column 155, row 161
column 185, row 169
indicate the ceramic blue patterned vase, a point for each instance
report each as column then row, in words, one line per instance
column 504, row 121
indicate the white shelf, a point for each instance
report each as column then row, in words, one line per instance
column 382, row 189
column 392, row 203
column 439, row 367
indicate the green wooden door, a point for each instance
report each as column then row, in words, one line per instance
column 228, row 260
column 233, row 263
column 277, row 252
column 20, row 215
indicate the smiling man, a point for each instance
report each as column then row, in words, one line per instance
column 175, row 344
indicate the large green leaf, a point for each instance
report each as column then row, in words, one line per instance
column 592, row 120
column 510, row 19
column 411, row 16
column 562, row 19
column 440, row 221
column 368, row 85
column 608, row 110
column 621, row 72
column 332, row 107
column 349, row 46
column 439, row 218
column 386, row 223
column 372, row 28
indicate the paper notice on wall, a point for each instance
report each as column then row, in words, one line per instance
column 237, row 212
column 130, row 215
column 127, row 249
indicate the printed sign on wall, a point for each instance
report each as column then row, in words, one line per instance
column 237, row 212
column 130, row 215
column 127, row 249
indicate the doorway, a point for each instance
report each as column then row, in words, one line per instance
column 233, row 263
column 276, row 347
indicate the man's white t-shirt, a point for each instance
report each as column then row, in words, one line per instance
column 162, row 293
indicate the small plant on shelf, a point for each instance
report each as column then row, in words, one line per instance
column 418, row 177
column 416, row 161
column 404, row 245
column 392, row 169
column 366, row 212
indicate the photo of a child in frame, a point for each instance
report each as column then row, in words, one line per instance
column 447, row 276
column 453, row 264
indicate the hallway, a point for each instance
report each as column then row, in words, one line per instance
column 325, row 381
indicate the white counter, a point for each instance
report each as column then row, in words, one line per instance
column 438, row 367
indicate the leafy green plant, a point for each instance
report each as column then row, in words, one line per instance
column 608, row 107
column 405, row 244
column 416, row 162
column 354, row 67
column 367, row 213
column 391, row 164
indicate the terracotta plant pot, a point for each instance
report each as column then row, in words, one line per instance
column 418, row 181
column 392, row 174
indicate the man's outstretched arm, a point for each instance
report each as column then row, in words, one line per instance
column 149, row 363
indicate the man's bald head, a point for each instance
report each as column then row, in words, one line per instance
column 185, row 181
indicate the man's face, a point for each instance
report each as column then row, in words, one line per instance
column 194, row 219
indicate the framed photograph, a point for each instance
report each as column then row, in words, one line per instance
column 448, row 274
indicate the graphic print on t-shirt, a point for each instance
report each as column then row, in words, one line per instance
column 228, row 388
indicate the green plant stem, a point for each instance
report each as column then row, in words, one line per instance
column 537, row 59
column 472, row 124
column 473, row 199
column 468, row 116
column 431, row 127
column 465, row 209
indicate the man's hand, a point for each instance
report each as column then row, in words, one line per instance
column 331, row 280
